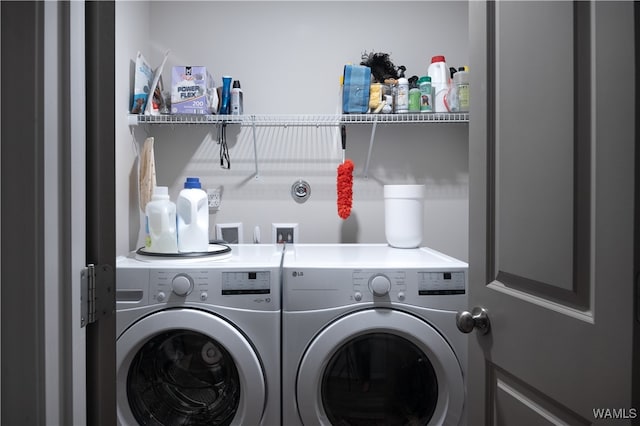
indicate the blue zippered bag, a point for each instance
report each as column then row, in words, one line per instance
column 355, row 92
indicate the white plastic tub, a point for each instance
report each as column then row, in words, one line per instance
column 403, row 215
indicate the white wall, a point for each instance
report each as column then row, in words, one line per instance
column 289, row 57
column 132, row 34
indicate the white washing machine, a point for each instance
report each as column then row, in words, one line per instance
column 199, row 338
column 370, row 337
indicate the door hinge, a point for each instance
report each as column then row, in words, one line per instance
column 97, row 298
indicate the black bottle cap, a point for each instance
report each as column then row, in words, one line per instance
column 236, row 84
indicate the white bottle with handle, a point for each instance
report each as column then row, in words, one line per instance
column 439, row 73
column 193, row 217
column 161, row 216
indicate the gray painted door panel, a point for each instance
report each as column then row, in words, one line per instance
column 47, row 130
column 551, row 211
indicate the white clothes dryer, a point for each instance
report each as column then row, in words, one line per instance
column 198, row 339
column 370, row 337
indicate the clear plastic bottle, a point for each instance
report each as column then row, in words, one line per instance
column 193, row 217
column 402, row 96
column 161, row 216
column 461, row 85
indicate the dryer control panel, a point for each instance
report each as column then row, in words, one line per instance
column 315, row 288
column 440, row 283
column 328, row 276
column 429, row 283
column 377, row 283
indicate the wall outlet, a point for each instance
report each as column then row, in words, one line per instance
column 230, row 233
column 215, row 198
column 285, row 233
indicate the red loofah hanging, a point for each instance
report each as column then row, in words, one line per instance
column 345, row 188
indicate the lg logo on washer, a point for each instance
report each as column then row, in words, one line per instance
column 295, row 274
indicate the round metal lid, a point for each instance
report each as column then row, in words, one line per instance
column 215, row 249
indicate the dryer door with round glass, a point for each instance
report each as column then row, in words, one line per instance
column 187, row 367
column 380, row 366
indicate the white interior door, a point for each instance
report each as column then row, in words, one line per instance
column 551, row 219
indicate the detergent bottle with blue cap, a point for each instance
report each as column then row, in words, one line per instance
column 193, row 217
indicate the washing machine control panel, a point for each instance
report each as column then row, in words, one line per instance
column 182, row 284
column 233, row 288
column 379, row 285
column 172, row 285
column 246, row 282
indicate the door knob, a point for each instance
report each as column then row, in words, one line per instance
column 477, row 318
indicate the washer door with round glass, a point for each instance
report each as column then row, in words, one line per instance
column 380, row 367
column 187, row 367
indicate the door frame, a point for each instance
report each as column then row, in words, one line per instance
column 45, row 137
column 635, row 397
column 100, row 204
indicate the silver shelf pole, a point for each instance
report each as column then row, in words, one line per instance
column 255, row 144
column 373, row 135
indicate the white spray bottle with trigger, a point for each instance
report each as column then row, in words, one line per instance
column 193, row 217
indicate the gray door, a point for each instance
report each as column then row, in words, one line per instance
column 57, row 211
column 552, row 211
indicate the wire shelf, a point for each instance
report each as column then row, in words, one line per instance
column 309, row 120
column 424, row 117
column 317, row 120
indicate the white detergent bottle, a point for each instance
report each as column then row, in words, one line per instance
column 439, row 73
column 161, row 216
column 193, row 217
